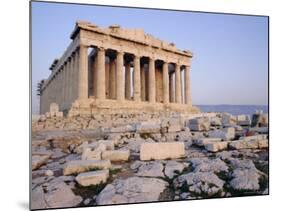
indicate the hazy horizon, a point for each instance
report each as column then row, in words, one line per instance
column 230, row 63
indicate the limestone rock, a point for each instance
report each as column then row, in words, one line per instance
column 79, row 166
column 62, row 196
column 116, row 155
column 131, row 190
column 200, row 183
column 38, row 161
column 172, row 168
column 245, row 179
column 92, row 177
column 37, row 198
column 208, row 165
column 159, row 151
column 150, row 169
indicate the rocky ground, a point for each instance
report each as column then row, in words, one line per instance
column 88, row 161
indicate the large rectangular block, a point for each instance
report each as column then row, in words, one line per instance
column 216, row 146
column 92, row 177
column 116, row 155
column 159, row 151
column 79, row 166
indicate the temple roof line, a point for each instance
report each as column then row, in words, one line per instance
column 135, row 35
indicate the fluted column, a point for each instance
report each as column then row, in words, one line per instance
column 137, row 85
column 107, row 78
column 151, row 80
column 127, row 81
column 101, row 74
column 71, row 62
column 178, row 84
column 67, row 72
column 171, row 88
column 120, row 94
column 142, row 83
column 188, row 100
column 83, row 73
column 63, row 83
column 112, row 76
column 165, row 83
column 76, row 74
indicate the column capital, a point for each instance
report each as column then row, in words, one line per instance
column 81, row 45
column 101, row 48
column 136, row 56
column 120, row 51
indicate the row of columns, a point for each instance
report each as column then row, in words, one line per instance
column 70, row 82
column 119, row 90
column 62, row 87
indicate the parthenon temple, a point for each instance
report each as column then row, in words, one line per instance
column 117, row 70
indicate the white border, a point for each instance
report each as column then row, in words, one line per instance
column 14, row 86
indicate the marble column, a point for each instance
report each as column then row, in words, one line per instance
column 101, row 74
column 83, row 73
column 107, row 78
column 60, row 88
column 127, row 81
column 165, row 83
column 120, row 94
column 142, row 83
column 67, row 81
column 171, row 88
column 63, row 84
column 76, row 74
column 137, row 85
column 151, row 80
column 112, row 76
column 187, row 86
column 178, row 83
column 73, row 77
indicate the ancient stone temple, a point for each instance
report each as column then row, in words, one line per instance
column 117, row 70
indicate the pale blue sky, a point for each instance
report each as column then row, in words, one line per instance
column 230, row 51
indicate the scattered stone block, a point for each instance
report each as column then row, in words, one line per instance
column 199, row 124
column 228, row 119
column 215, row 121
column 242, row 144
column 89, row 154
column 159, row 151
column 255, row 137
column 263, row 143
column 123, row 129
column 116, row 155
column 216, row 146
column 243, row 120
column 148, row 127
column 108, row 143
column 92, row 177
column 79, row 166
column 225, row 134
column 259, row 120
column 204, row 141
